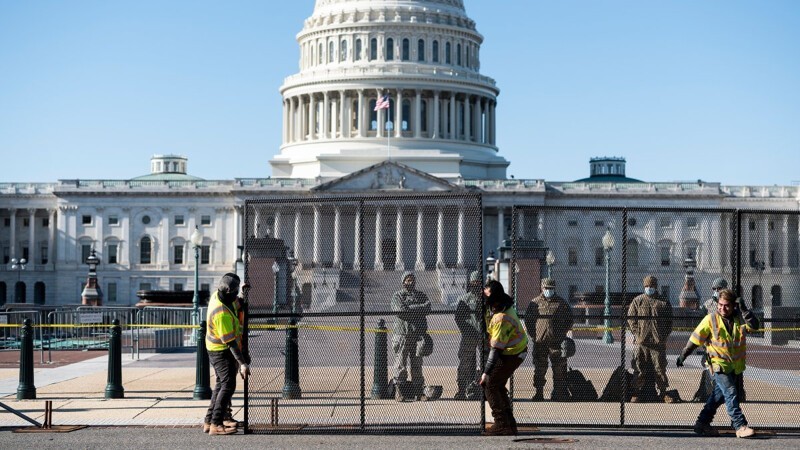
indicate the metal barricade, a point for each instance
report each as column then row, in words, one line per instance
column 86, row 327
column 10, row 323
column 165, row 328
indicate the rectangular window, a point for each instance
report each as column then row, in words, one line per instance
column 771, row 225
column 772, row 258
column 111, row 292
column 572, row 257
column 205, row 287
column 113, row 220
column 179, row 219
column 691, row 222
column 752, row 225
column 205, row 220
column 6, row 257
column 665, row 292
column 205, row 254
column 45, row 222
column 43, row 254
column 599, row 256
column 86, row 219
column 599, row 288
column 664, row 256
column 26, row 223
column 572, row 223
column 86, row 249
column 177, row 287
column 7, row 222
column 178, row 254
column 572, row 291
column 753, row 254
column 112, row 254
column 599, row 223
column 144, row 286
column 665, row 222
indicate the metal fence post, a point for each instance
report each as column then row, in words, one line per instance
column 291, row 381
column 114, row 387
column 202, row 377
column 26, row 390
column 380, row 384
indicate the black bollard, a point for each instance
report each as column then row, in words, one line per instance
column 114, row 387
column 26, row 390
column 202, row 377
column 380, row 384
column 291, row 380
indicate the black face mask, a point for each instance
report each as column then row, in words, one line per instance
column 230, row 296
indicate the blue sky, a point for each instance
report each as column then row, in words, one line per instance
column 684, row 89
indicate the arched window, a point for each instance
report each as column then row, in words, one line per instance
column 39, row 293
column 776, row 295
column 406, row 50
column 758, row 297
column 447, row 59
column 421, row 50
column 319, row 54
column 358, row 50
column 19, row 292
column 331, row 52
column 435, row 52
column 458, row 54
column 343, row 51
column 632, row 253
column 145, row 250
column 389, row 49
column 373, row 49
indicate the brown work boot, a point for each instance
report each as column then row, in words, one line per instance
column 230, row 422
column 221, row 430
column 206, row 427
column 499, row 429
column 745, row 432
column 704, row 429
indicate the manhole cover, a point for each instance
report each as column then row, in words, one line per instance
column 547, row 440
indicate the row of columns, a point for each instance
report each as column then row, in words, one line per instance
column 15, row 246
column 379, row 263
column 346, row 114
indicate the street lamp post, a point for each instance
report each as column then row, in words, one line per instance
column 608, row 245
column 291, row 277
column 490, row 261
column 275, row 269
column 197, row 242
column 550, row 259
column 18, row 266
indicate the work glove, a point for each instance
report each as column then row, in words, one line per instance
column 679, row 361
column 741, row 304
column 244, row 371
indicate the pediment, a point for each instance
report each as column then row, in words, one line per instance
column 388, row 176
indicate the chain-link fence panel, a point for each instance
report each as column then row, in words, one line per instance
column 365, row 293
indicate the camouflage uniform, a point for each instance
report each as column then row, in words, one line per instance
column 548, row 320
column 466, row 317
column 412, row 307
column 651, row 332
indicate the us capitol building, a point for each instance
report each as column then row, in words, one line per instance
column 438, row 134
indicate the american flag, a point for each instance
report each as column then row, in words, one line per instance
column 382, row 103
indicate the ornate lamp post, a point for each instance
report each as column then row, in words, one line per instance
column 18, row 266
column 291, row 278
column 197, row 242
column 490, row 261
column 608, row 245
column 550, row 259
column 275, row 269
column 92, row 295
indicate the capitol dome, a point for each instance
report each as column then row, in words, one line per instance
column 424, row 57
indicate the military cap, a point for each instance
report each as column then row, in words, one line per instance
column 650, row 281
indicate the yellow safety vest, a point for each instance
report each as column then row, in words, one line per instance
column 727, row 352
column 222, row 325
column 506, row 332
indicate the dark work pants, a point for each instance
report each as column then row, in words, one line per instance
column 467, row 361
column 496, row 392
column 650, row 367
column 225, row 369
column 541, row 354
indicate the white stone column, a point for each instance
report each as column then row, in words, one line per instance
column 285, row 122
column 337, row 225
column 460, row 261
column 13, row 234
column 379, row 118
column 51, row 238
column 501, row 228
column 398, row 259
column 467, row 120
column 292, row 126
column 378, row 240
column 357, row 241
column 479, row 121
column 344, row 123
column 303, row 119
column 312, row 117
column 277, row 225
column 785, row 242
column 326, row 119
column 440, row 239
column 745, row 244
column 32, row 236
column 317, row 244
column 420, row 260
column 494, row 123
column 521, row 224
column 296, row 237
column 398, row 114
column 333, row 114
column 417, row 113
column 453, row 121
column 435, row 131
column 765, row 249
column 360, row 114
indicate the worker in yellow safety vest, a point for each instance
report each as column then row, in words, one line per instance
column 225, row 352
column 508, row 346
column 723, row 334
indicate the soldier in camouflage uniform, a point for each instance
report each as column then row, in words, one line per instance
column 410, row 327
column 467, row 319
column 548, row 319
column 650, row 321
